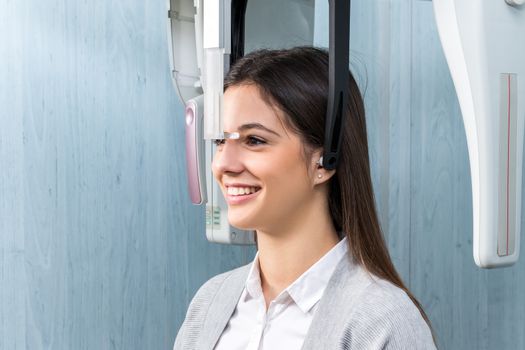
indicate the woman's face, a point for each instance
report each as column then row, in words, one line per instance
column 263, row 174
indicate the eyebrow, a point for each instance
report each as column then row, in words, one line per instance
column 248, row 126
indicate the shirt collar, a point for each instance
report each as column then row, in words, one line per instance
column 253, row 282
column 308, row 289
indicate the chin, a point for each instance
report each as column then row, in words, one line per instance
column 241, row 222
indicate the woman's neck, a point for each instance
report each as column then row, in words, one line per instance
column 287, row 254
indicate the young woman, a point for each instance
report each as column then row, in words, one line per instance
column 322, row 277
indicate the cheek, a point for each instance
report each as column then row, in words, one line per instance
column 293, row 179
column 283, row 176
column 214, row 169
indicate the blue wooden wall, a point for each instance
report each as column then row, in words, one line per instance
column 99, row 246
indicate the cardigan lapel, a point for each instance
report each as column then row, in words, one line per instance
column 333, row 306
column 223, row 306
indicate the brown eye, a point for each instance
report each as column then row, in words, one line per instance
column 254, row 141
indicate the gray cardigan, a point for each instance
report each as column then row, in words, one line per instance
column 357, row 311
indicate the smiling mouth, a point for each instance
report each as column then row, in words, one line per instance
column 241, row 191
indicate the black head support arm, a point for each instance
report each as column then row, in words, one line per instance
column 339, row 38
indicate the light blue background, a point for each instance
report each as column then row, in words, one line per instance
column 100, row 247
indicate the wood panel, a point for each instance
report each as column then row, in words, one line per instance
column 379, row 50
column 397, row 225
column 441, row 242
column 12, row 244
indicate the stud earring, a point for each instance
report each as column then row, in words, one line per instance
column 319, row 175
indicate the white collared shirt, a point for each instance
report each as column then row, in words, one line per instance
column 285, row 324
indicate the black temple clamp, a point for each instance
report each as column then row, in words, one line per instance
column 238, row 14
column 337, row 79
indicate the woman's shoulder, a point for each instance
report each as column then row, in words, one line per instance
column 382, row 298
column 233, row 278
column 384, row 293
column 215, row 294
column 384, row 313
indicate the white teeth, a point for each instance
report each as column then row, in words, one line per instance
column 239, row 191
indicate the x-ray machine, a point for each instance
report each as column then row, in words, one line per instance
column 484, row 44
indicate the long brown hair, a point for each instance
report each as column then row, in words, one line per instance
column 296, row 81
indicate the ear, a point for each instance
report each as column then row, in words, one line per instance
column 319, row 174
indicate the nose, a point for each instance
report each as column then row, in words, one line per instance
column 227, row 159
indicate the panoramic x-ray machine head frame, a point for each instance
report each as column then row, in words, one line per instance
column 205, row 37
column 486, row 56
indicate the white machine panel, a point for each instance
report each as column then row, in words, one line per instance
column 485, row 50
column 184, row 49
